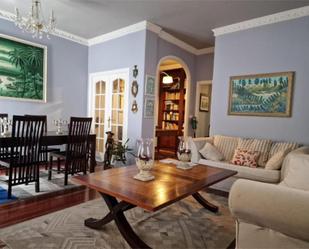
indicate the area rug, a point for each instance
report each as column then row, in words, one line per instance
column 23, row 191
column 184, row 224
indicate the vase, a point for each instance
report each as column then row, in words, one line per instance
column 144, row 160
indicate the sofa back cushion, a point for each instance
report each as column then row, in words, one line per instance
column 261, row 145
column 226, row 145
column 282, row 146
column 297, row 174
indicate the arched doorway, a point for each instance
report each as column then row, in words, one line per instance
column 172, row 105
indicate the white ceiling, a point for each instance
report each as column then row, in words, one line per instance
column 188, row 20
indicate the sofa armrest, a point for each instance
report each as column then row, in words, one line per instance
column 195, row 144
column 279, row 208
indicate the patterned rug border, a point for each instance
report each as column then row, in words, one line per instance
column 195, row 226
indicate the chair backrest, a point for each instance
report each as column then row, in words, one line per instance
column 42, row 116
column 4, row 115
column 78, row 144
column 25, row 152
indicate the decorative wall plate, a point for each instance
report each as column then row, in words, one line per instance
column 134, row 88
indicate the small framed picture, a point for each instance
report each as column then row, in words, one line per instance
column 150, row 85
column 149, row 107
column 204, row 103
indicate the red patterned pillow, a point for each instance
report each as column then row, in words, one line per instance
column 245, row 158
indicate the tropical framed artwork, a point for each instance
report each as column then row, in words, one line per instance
column 23, row 70
column 149, row 107
column 261, row 94
column 150, row 85
column 204, row 103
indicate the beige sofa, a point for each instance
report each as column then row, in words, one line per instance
column 274, row 216
column 227, row 145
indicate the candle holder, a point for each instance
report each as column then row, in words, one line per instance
column 5, row 123
column 183, row 154
column 59, row 123
column 144, row 160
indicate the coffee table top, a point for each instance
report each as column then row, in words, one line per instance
column 170, row 184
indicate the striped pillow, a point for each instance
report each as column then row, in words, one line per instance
column 282, row 146
column 261, row 145
column 226, row 145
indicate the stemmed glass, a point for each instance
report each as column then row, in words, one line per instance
column 144, row 160
column 59, row 123
column 5, row 123
column 183, row 153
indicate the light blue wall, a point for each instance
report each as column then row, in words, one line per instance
column 156, row 49
column 67, row 78
column 204, row 67
column 277, row 47
column 123, row 52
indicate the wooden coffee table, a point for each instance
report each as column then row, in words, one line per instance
column 169, row 186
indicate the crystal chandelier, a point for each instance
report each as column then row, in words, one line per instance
column 35, row 23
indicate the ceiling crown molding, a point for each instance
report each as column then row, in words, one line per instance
column 144, row 25
column 261, row 21
column 118, row 33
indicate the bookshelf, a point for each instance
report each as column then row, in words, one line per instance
column 171, row 110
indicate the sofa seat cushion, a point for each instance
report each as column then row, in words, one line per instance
column 261, row 145
column 256, row 174
column 226, row 145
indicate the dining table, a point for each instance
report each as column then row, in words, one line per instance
column 52, row 138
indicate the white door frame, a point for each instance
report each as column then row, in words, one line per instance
column 91, row 99
column 197, row 98
column 187, row 97
column 198, row 89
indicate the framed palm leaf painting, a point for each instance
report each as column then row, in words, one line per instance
column 261, row 94
column 23, row 70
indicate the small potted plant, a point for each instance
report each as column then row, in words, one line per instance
column 119, row 153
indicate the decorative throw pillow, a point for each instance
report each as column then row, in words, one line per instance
column 210, row 152
column 275, row 162
column 261, row 145
column 246, row 158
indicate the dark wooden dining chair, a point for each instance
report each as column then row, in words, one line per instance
column 76, row 155
column 45, row 149
column 24, row 160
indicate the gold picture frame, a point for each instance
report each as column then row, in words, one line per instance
column 267, row 95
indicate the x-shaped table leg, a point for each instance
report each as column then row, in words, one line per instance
column 116, row 214
column 206, row 204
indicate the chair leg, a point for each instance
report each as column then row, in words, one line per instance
column 9, row 191
column 66, row 176
column 37, row 185
column 58, row 165
column 50, row 168
column 46, row 160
